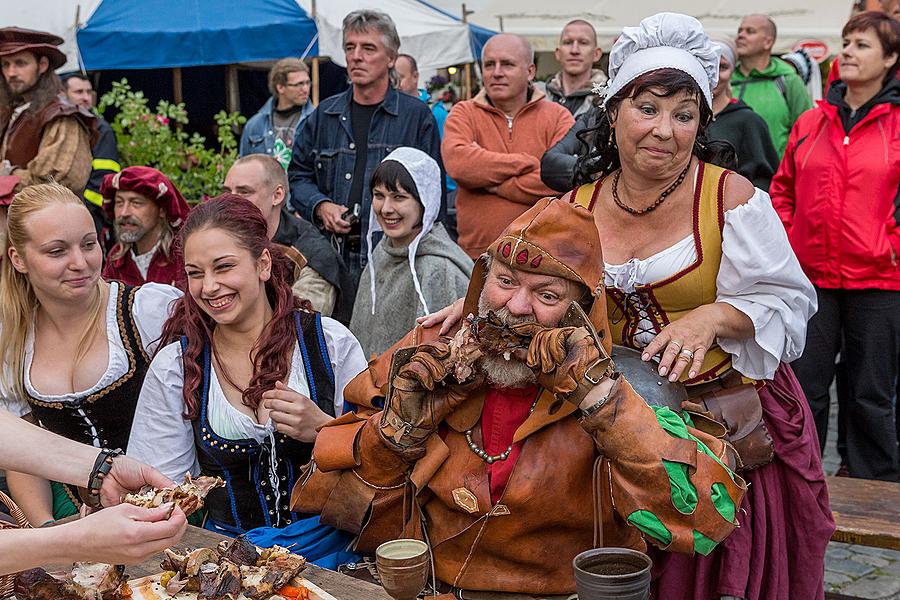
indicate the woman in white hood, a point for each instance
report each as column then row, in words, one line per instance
column 416, row 267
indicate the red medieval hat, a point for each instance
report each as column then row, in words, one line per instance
column 41, row 43
column 147, row 182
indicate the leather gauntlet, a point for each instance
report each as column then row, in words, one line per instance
column 628, row 433
column 418, row 397
column 569, row 360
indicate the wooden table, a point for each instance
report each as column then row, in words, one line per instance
column 866, row 512
column 340, row 586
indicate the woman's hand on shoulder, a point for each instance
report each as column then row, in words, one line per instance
column 447, row 317
column 738, row 191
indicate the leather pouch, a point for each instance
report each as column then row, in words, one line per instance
column 739, row 409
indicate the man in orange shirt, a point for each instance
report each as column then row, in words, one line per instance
column 493, row 144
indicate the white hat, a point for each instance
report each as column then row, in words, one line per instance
column 663, row 41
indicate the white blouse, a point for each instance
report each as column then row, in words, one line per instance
column 161, row 437
column 759, row 275
column 150, row 310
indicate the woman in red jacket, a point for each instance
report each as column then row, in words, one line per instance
column 836, row 192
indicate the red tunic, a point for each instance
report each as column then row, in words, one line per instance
column 505, row 409
column 162, row 270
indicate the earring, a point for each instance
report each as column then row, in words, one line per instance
column 612, row 137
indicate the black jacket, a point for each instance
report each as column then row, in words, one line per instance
column 749, row 134
column 321, row 257
column 558, row 163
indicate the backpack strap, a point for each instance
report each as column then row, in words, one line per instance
column 778, row 81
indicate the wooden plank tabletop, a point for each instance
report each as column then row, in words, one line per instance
column 340, row 586
column 866, row 512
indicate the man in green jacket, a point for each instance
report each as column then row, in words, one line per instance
column 768, row 84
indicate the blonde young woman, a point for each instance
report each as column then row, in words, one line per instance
column 75, row 348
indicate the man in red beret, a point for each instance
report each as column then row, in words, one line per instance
column 147, row 211
column 44, row 136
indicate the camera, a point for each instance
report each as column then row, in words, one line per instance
column 351, row 215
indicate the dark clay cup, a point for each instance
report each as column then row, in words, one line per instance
column 403, row 567
column 612, row 574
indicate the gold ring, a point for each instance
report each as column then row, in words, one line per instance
column 687, row 353
column 679, row 344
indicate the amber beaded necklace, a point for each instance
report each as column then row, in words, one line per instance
column 662, row 196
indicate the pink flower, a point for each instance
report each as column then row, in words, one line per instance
column 162, row 119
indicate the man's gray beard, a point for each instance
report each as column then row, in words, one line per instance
column 499, row 371
column 128, row 237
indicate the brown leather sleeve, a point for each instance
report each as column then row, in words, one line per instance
column 358, row 481
column 369, row 387
column 629, row 435
column 361, row 482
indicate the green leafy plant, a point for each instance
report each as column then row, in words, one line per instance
column 156, row 138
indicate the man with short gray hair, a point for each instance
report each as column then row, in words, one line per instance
column 344, row 140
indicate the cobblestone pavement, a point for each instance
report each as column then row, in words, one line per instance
column 857, row 571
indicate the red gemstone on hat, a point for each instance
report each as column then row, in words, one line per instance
column 522, row 257
column 507, row 248
column 536, row 261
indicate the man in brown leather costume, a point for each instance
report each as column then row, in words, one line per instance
column 539, row 452
column 44, row 136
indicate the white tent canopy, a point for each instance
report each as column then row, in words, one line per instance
column 434, row 39
column 57, row 17
column 542, row 23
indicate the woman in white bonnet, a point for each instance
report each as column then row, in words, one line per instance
column 700, row 276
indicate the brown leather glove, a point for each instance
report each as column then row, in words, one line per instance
column 418, row 398
column 562, row 357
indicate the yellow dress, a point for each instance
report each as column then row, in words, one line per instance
column 672, row 298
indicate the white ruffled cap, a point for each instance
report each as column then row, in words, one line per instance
column 664, row 41
column 426, row 174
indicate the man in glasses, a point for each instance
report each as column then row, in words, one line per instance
column 271, row 130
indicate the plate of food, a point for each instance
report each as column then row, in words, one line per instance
column 235, row 570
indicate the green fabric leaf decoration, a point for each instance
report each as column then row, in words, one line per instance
column 702, row 544
column 684, row 494
column 649, row 524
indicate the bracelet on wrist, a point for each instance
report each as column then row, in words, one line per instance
column 102, row 466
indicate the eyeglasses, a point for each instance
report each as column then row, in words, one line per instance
column 306, row 83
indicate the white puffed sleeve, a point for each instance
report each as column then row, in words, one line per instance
column 152, row 304
column 347, row 358
column 160, row 436
column 9, row 401
column 760, row 276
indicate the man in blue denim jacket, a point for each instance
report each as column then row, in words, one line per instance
column 343, row 141
column 272, row 130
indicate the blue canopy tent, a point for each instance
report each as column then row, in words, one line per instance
column 210, row 37
column 151, row 34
